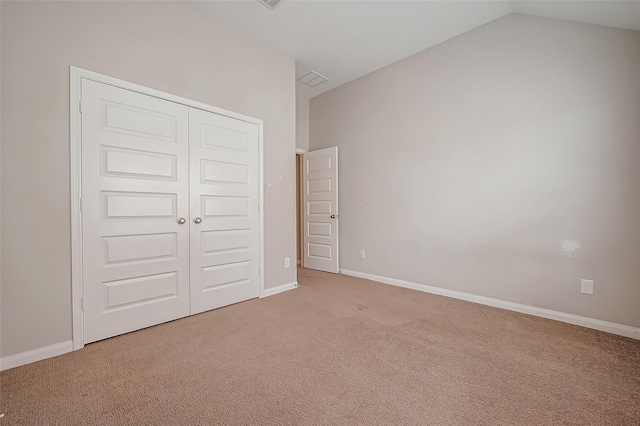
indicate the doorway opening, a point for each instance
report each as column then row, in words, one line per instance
column 299, row 219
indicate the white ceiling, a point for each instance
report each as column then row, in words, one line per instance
column 343, row 40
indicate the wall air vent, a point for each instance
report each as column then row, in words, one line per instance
column 312, row 79
column 271, row 4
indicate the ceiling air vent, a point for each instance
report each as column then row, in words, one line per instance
column 312, row 79
column 271, row 4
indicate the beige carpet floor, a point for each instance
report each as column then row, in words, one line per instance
column 338, row 351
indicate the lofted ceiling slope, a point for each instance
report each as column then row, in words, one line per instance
column 343, row 40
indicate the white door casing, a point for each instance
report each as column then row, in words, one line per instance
column 134, row 188
column 320, row 204
column 224, row 163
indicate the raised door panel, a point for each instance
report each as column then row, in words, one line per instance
column 131, row 163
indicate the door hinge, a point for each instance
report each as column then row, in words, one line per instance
column 80, row 106
column 80, row 204
column 82, row 303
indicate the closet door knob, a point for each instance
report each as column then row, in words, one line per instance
column 182, row 220
column 197, row 220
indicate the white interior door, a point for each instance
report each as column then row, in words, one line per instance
column 225, row 223
column 135, row 187
column 320, row 203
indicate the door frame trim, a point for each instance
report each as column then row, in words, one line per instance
column 75, row 140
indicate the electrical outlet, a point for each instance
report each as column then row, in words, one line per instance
column 586, row 286
column 287, row 262
column 362, row 255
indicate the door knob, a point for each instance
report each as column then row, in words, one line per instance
column 182, row 220
column 197, row 220
column 333, row 216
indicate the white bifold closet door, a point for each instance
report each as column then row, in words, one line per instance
column 169, row 209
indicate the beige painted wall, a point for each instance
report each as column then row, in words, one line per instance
column 166, row 46
column 302, row 121
column 503, row 163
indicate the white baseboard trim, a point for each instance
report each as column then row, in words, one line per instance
column 279, row 289
column 596, row 324
column 34, row 355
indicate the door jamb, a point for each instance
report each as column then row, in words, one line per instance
column 75, row 83
column 300, row 214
